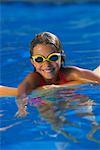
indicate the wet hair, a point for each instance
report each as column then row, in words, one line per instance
column 47, row 38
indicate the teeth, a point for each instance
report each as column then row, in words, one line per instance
column 48, row 70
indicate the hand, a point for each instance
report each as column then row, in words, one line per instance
column 21, row 112
column 22, row 107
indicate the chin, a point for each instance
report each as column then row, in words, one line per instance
column 49, row 77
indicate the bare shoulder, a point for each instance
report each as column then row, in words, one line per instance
column 72, row 68
column 77, row 73
column 31, row 80
column 76, row 70
column 33, row 77
column 72, row 72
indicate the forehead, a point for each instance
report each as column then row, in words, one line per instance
column 44, row 49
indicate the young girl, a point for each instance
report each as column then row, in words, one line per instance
column 47, row 57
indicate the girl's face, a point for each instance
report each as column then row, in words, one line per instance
column 48, row 70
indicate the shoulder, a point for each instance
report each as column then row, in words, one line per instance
column 33, row 79
column 72, row 72
column 72, row 69
column 30, row 82
column 34, row 76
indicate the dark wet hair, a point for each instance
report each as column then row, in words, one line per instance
column 47, row 38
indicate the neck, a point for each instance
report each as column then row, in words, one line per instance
column 52, row 81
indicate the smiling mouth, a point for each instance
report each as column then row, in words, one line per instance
column 48, row 70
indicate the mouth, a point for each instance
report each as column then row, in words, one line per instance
column 48, row 70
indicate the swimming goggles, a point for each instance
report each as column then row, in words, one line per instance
column 51, row 58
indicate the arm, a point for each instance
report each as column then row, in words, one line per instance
column 83, row 75
column 8, row 91
column 27, row 85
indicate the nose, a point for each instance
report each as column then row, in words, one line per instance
column 47, row 63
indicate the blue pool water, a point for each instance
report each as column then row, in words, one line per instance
column 78, row 117
column 58, row 118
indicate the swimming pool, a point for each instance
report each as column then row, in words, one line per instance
column 78, row 28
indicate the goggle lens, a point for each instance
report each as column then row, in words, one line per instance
column 39, row 59
column 53, row 58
